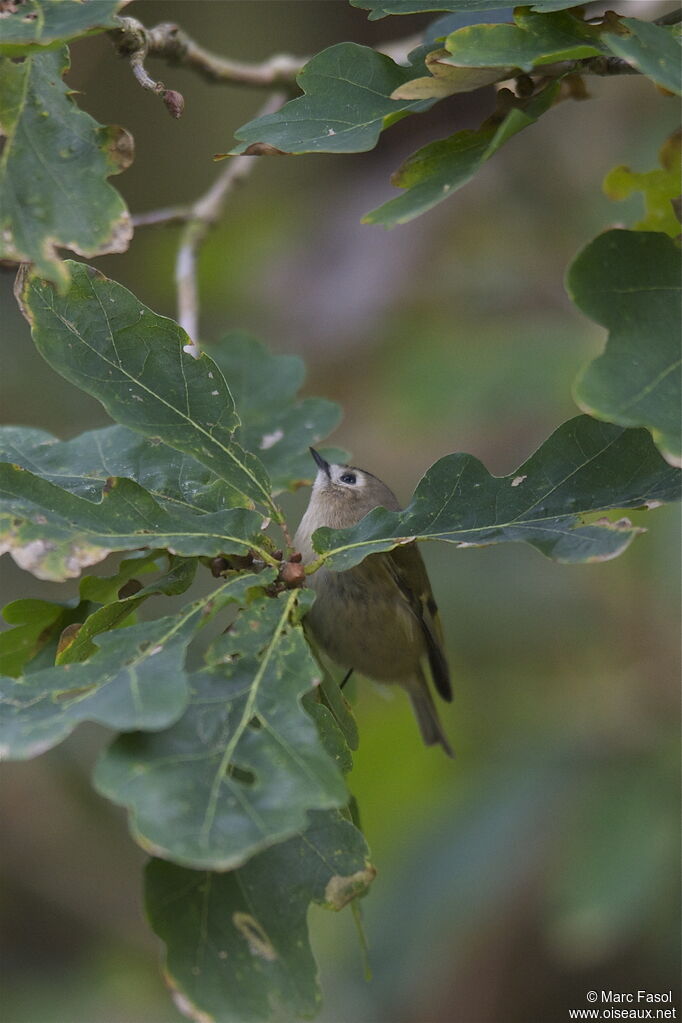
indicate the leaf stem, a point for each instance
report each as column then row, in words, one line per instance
column 282, row 523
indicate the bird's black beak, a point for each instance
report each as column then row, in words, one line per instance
column 320, row 461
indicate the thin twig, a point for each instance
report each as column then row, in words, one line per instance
column 132, row 41
column 168, row 41
column 169, row 215
column 202, row 215
column 171, row 42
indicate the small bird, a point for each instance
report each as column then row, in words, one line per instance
column 378, row 618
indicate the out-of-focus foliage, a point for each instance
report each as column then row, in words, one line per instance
column 660, row 188
column 630, row 283
column 238, row 941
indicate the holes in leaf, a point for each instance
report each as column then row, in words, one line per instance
column 241, row 774
column 255, row 723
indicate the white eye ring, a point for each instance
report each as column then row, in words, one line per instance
column 348, row 477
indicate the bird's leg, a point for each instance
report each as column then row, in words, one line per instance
column 346, row 677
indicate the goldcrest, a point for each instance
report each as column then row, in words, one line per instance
column 378, row 618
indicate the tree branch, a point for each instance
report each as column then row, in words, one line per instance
column 171, row 43
column 169, row 215
column 199, row 219
column 132, row 41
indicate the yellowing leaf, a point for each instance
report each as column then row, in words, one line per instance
column 658, row 187
column 446, row 80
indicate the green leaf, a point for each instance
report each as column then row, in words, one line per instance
column 446, row 80
column 273, row 423
column 629, row 282
column 584, row 467
column 652, row 49
column 347, row 99
column 105, row 589
column 84, row 464
column 659, row 187
column 533, row 40
column 380, row 8
column 620, row 844
column 118, row 686
column 437, row 170
column 54, row 534
column 237, row 944
column 103, row 340
column 239, row 770
column 53, row 170
column 116, row 613
column 36, row 623
column 39, row 24
column 341, row 710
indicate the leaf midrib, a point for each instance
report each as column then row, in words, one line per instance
column 157, row 397
column 247, row 714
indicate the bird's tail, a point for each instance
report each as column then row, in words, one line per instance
column 427, row 716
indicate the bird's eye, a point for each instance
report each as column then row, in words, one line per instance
column 348, row 477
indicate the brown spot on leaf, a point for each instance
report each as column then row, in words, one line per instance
column 129, row 589
column 184, row 1004
column 72, row 694
column 341, row 890
column 218, row 566
column 263, row 149
column 21, row 286
column 120, row 146
column 67, row 637
column 255, row 936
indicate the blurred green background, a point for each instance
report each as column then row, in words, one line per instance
column 543, row 861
